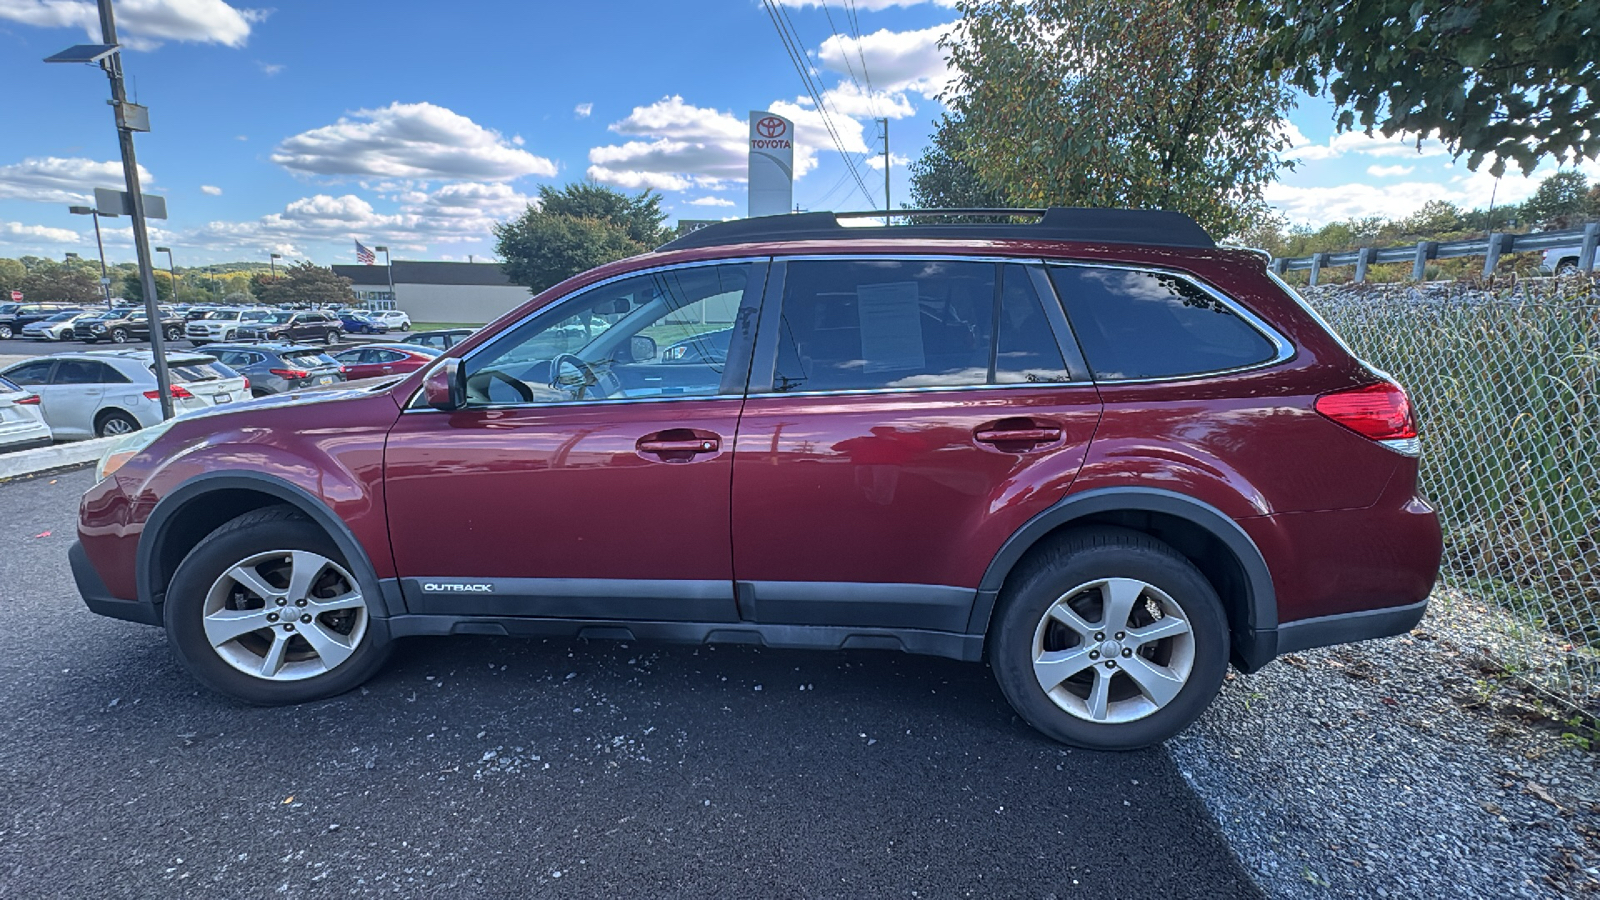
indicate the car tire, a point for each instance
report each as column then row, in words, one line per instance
column 351, row 646
column 115, row 422
column 174, row 334
column 6, row 333
column 119, row 336
column 230, row 336
column 1567, row 267
column 331, row 337
column 1053, row 627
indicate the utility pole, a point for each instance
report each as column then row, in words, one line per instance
column 141, row 239
column 886, row 207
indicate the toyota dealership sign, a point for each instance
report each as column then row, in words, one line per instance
column 771, row 164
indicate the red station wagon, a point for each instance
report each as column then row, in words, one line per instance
column 1098, row 452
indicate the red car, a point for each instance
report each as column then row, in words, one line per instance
column 1099, row 452
column 380, row 360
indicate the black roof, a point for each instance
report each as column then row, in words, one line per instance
column 422, row 272
column 1114, row 226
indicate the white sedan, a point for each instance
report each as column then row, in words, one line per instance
column 394, row 319
column 22, row 425
column 108, row 392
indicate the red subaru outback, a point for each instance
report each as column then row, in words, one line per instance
column 1098, row 452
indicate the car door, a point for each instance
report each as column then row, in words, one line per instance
column 905, row 417
column 585, row 477
column 73, row 396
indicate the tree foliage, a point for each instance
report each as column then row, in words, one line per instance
column 940, row 179
column 1506, row 79
column 47, row 281
column 1125, row 103
column 575, row 228
column 303, row 283
column 1562, row 201
column 133, row 288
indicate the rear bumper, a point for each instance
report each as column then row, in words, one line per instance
column 99, row 598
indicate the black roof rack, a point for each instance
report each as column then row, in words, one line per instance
column 1115, row 226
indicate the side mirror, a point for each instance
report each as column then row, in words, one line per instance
column 643, row 348
column 444, row 387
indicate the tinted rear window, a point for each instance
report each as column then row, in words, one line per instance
column 200, row 372
column 308, row 360
column 1136, row 324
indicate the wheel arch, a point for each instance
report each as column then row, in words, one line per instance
column 200, row 505
column 1223, row 552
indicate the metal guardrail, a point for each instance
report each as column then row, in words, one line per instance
column 1490, row 248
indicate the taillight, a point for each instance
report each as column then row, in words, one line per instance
column 290, row 373
column 246, row 382
column 1379, row 411
column 179, row 392
column 30, row 400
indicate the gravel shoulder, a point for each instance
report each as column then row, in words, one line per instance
column 1406, row 767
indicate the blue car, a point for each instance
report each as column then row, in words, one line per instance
column 360, row 323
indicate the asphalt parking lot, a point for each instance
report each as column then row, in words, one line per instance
column 501, row 767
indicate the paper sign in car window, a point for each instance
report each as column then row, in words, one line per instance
column 891, row 327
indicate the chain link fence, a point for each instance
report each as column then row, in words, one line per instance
column 1506, row 384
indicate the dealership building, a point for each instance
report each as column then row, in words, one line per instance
column 436, row 291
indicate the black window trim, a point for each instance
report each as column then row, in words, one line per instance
column 1283, row 349
column 765, row 364
column 735, row 374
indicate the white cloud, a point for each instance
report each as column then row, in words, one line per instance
column 686, row 146
column 211, row 189
column 52, row 179
column 876, row 160
column 17, row 233
column 1317, row 206
column 895, row 61
column 271, row 69
column 711, row 201
column 143, row 24
column 812, row 136
column 1358, row 142
column 583, row 110
column 409, row 140
column 848, row 99
column 1390, row 171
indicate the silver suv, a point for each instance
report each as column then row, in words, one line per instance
column 221, row 324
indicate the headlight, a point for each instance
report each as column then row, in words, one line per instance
column 127, row 447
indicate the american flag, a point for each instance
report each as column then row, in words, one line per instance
column 363, row 255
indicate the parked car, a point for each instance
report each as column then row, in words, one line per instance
column 392, row 319
column 22, row 425
column 1561, row 260
column 379, row 360
column 311, row 325
column 12, row 323
column 442, row 339
column 56, row 328
column 221, row 324
column 123, row 325
column 361, row 323
column 276, row 368
column 99, row 393
column 1099, row 452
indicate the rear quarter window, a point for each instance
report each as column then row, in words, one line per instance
column 1141, row 324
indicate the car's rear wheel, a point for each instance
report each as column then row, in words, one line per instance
column 332, row 337
column 265, row 609
column 1567, row 267
column 174, row 333
column 119, row 336
column 114, row 422
column 5, row 332
column 1109, row 639
column 230, row 336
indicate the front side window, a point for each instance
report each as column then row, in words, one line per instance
column 1140, row 324
column 658, row 335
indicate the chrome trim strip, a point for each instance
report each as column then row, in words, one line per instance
column 932, row 389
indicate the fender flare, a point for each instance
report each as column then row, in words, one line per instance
column 1255, row 642
column 155, row 527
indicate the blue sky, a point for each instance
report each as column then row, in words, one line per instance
column 299, row 128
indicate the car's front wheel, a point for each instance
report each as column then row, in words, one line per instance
column 5, row 332
column 266, row 610
column 331, row 337
column 119, row 336
column 174, row 333
column 1109, row 639
column 114, row 422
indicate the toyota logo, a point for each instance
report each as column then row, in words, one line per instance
column 770, row 127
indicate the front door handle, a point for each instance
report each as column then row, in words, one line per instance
column 678, row 444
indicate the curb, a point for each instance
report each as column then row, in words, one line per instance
column 58, row 456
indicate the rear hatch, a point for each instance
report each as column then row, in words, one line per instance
column 319, row 368
column 205, row 381
column 21, row 414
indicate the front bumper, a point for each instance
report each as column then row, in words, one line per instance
column 99, row 598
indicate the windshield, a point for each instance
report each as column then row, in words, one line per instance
column 63, row 317
column 230, row 314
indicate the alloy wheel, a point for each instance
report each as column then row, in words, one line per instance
column 1113, row 650
column 285, row 615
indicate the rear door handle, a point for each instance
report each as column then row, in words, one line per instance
column 696, row 445
column 1019, row 435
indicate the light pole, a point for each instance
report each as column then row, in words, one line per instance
column 105, row 279
column 171, row 270
column 272, row 260
column 388, row 265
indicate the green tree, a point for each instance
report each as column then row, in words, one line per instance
column 941, row 180
column 1561, row 201
column 48, row 281
column 575, row 228
column 1126, row 103
column 305, row 283
column 133, row 288
column 12, row 274
column 1506, row 79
